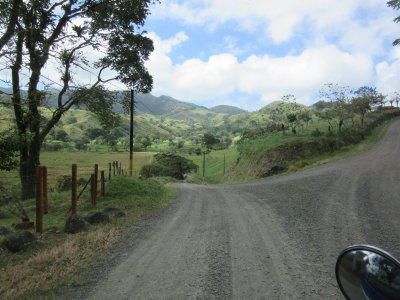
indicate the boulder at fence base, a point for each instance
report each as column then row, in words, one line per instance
column 97, row 217
column 18, row 241
column 75, row 224
column 4, row 230
column 114, row 212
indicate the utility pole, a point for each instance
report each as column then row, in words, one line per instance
column 131, row 134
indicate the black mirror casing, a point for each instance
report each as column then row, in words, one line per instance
column 368, row 273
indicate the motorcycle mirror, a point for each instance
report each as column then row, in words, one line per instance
column 368, row 273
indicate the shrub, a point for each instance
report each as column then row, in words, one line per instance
column 316, row 133
column 168, row 164
column 64, row 183
column 153, row 170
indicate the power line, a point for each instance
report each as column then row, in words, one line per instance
column 84, row 69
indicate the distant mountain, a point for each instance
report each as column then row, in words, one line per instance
column 227, row 109
column 269, row 107
column 163, row 105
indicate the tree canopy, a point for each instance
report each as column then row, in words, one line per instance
column 395, row 4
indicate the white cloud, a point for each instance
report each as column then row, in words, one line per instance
column 388, row 75
column 218, row 77
column 277, row 20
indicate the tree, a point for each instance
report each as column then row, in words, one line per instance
column 366, row 98
column 209, row 140
column 289, row 111
column 396, row 98
column 35, row 34
column 145, row 142
column 94, row 132
column 361, row 106
column 395, row 4
column 168, row 164
column 61, row 135
column 305, row 116
column 340, row 97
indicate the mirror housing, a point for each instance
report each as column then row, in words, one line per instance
column 368, row 273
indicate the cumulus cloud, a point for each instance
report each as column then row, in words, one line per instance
column 269, row 78
column 278, row 20
column 388, row 75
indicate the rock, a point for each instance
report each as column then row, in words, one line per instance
column 75, row 224
column 4, row 230
column 52, row 229
column 114, row 212
column 97, row 217
column 18, row 241
column 23, row 225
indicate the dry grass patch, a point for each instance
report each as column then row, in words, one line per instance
column 47, row 266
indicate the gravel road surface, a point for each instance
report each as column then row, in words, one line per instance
column 273, row 239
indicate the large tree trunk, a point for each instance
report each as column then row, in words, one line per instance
column 29, row 160
column 31, row 151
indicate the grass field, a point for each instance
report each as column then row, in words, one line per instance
column 214, row 165
column 59, row 164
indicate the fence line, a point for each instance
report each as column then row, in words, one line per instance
column 42, row 189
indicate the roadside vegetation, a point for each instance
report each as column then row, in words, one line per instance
column 56, row 258
column 297, row 137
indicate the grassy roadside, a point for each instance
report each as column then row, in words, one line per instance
column 57, row 259
column 346, row 151
column 247, row 166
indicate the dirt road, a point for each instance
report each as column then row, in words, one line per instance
column 273, row 239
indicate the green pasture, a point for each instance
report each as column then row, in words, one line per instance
column 214, row 165
column 59, row 164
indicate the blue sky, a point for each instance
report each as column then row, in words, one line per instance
column 250, row 53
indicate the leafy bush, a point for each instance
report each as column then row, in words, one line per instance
column 168, row 164
column 64, row 183
column 153, row 170
column 8, row 150
column 197, row 151
column 316, row 133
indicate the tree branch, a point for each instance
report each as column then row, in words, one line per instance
column 12, row 23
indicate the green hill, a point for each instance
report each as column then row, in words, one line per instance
column 227, row 109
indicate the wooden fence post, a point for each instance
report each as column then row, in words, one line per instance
column 92, row 190
column 120, row 168
column 96, row 178
column 74, row 207
column 109, row 171
column 102, row 183
column 113, row 168
column 45, row 192
column 39, row 199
